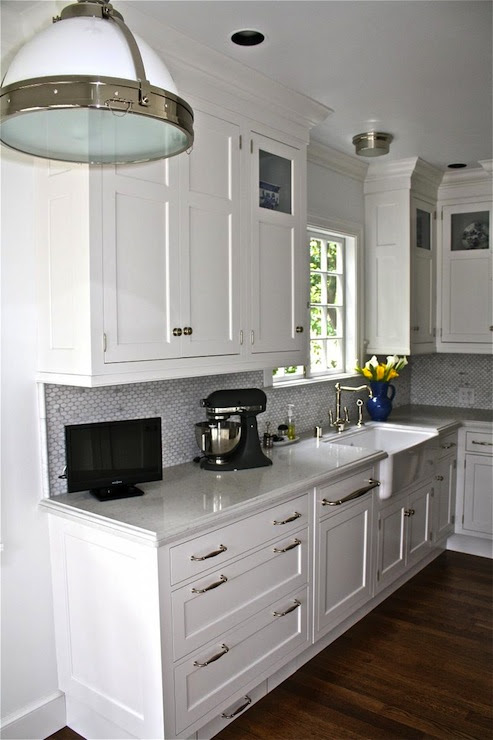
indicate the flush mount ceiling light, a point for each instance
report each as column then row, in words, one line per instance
column 372, row 144
column 78, row 92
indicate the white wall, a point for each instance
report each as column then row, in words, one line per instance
column 32, row 706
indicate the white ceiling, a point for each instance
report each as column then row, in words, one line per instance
column 418, row 69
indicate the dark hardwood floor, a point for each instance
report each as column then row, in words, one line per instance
column 419, row 666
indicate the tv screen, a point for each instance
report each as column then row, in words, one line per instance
column 108, row 458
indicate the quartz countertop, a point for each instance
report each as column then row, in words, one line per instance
column 190, row 498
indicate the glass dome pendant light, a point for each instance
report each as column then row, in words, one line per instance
column 78, row 92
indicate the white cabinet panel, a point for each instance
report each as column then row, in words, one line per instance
column 478, row 494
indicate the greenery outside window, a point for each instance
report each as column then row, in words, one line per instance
column 332, row 306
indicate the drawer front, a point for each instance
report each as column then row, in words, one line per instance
column 335, row 492
column 231, row 711
column 447, row 445
column 267, row 638
column 211, row 550
column 211, row 605
column 481, row 443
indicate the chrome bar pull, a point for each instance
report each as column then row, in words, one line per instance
column 483, row 444
column 222, row 579
column 355, row 494
column 292, row 518
column 296, row 605
column 224, row 650
column 212, row 554
column 294, row 544
column 243, row 706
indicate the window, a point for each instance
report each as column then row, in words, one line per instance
column 332, row 306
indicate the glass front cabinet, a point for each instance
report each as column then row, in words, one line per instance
column 467, row 315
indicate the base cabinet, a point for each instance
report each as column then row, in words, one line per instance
column 444, row 488
column 343, row 543
column 403, row 533
column 474, row 507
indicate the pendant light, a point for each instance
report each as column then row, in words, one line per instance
column 78, row 92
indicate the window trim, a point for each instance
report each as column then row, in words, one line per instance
column 353, row 233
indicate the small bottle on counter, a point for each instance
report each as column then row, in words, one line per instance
column 291, row 425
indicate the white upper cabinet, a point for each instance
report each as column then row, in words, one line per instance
column 465, row 289
column 400, row 274
column 179, row 267
column 279, row 265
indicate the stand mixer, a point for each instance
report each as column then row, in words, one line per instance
column 230, row 445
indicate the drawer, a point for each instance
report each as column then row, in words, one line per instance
column 239, row 656
column 479, row 442
column 211, row 550
column 211, row 605
column 447, row 445
column 231, row 711
column 340, row 489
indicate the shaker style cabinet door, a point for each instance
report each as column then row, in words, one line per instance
column 423, row 292
column 467, row 274
column 210, row 239
column 141, row 261
column 278, row 268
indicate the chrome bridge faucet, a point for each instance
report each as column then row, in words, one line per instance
column 342, row 423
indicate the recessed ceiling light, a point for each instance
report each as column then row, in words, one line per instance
column 456, row 165
column 247, row 37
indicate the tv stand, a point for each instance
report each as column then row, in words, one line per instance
column 110, row 493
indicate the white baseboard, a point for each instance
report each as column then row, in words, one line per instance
column 37, row 720
column 470, row 545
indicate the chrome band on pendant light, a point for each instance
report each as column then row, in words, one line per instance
column 104, row 109
column 372, row 144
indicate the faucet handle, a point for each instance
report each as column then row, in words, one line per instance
column 359, row 404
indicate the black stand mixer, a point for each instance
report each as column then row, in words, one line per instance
column 230, row 445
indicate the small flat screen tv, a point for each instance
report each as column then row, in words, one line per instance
column 108, row 458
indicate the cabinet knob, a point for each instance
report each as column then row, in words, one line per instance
column 438, row 477
column 187, row 331
column 177, row 332
column 409, row 512
column 299, row 330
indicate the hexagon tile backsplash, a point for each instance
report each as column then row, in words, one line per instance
column 430, row 379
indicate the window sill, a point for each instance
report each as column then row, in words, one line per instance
column 306, row 381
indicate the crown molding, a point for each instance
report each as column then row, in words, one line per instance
column 467, row 183
column 404, row 174
column 333, row 159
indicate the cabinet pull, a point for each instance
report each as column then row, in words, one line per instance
column 187, row 331
column 241, row 336
column 483, row 444
column 177, row 332
column 212, row 554
column 296, row 515
column 288, row 610
column 355, row 494
column 299, row 330
column 252, row 337
column 224, row 650
column 448, row 445
column 243, row 706
column 438, row 477
column 222, row 579
column 409, row 512
column 294, row 544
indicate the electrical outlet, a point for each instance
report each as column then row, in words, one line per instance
column 466, row 396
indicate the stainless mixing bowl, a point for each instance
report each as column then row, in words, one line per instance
column 217, row 439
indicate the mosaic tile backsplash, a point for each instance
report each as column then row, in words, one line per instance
column 430, row 379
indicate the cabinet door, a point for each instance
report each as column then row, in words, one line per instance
column 423, row 276
column 141, row 261
column 210, row 238
column 467, row 278
column 279, row 258
column 391, row 555
column 444, row 498
column 418, row 524
column 478, row 494
column 344, row 568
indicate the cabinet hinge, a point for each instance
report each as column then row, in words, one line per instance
column 462, row 518
column 431, row 534
column 241, row 141
column 452, row 519
column 454, row 466
column 378, row 575
column 380, row 524
column 441, row 214
column 251, row 146
column 434, row 215
column 104, row 342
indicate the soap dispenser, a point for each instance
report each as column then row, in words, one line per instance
column 291, row 426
